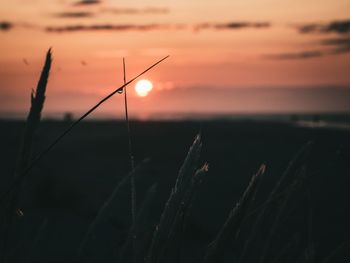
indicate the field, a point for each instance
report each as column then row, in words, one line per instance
column 64, row 192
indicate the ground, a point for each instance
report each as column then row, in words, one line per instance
column 65, row 190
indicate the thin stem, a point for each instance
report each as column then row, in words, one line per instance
column 131, row 155
column 132, row 179
column 60, row 137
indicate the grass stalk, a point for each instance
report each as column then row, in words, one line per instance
column 131, row 154
column 131, row 157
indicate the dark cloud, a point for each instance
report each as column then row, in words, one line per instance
column 331, row 46
column 137, row 11
column 336, row 41
column 297, row 55
column 242, row 25
column 149, row 27
column 4, row 26
column 232, row 25
column 74, row 14
column 339, row 45
column 107, row 27
column 340, row 27
column 118, row 11
column 87, row 2
column 341, row 50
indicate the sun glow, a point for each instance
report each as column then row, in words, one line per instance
column 143, row 87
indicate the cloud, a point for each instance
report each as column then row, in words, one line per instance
column 232, row 25
column 340, row 27
column 5, row 26
column 331, row 46
column 107, row 27
column 74, row 14
column 118, row 11
column 297, row 55
column 87, row 2
column 339, row 45
column 149, row 27
column 336, row 41
column 137, row 11
column 242, row 25
column 328, row 46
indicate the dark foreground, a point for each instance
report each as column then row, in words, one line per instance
column 63, row 193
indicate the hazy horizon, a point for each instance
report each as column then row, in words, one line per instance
column 235, row 102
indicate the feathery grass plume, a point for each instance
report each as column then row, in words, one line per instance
column 233, row 223
column 64, row 133
column 33, row 119
column 172, row 246
column 278, row 193
column 25, row 150
column 138, row 228
column 171, row 208
column 102, row 214
column 190, row 164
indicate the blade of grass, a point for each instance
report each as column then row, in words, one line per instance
column 62, row 135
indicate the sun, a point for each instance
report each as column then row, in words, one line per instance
column 143, row 87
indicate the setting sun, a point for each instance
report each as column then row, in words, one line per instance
column 143, row 87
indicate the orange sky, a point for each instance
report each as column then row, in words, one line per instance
column 226, row 56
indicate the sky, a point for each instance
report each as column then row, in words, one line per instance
column 226, row 57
